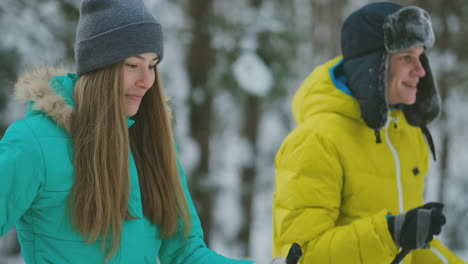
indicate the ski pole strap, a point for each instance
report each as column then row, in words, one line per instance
column 401, row 256
column 294, row 254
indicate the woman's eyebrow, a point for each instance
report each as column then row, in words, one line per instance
column 142, row 58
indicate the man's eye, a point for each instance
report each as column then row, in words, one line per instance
column 407, row 58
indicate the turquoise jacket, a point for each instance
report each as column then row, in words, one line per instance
column 37, row 175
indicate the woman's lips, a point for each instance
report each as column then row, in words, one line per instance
column 134, row 97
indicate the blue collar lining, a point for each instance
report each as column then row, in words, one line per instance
column 340, row 81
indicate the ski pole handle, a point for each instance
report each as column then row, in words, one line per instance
column 401, row 256
column 294, row 254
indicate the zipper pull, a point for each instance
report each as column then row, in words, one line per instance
column 395, row 121
column 378, row 139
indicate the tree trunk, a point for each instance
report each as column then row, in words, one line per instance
column 67, row 36
column 200, row 60
column 326, row 22
column 252, row 116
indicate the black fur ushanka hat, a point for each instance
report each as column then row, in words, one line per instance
column 368, row 36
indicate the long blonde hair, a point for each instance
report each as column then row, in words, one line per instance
column 99, row 198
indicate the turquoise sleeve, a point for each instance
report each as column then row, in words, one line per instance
column 21, row 173
column 177, row 250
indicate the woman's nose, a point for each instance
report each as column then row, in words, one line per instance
column 146, row 79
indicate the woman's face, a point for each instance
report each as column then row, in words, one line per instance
column 138, row 78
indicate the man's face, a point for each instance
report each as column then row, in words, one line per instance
column 404, row 71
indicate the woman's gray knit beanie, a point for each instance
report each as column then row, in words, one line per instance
column 110, row 31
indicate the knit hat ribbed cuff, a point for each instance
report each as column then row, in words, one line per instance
column 118, row 44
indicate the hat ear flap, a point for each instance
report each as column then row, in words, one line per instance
column 428, row 101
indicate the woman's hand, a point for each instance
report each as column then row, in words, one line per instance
column 295, row 253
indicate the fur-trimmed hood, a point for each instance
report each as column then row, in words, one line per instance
column 34, row 87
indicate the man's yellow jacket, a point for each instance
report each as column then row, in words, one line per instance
column 335, row 186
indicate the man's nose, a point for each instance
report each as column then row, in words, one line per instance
column 419, row 69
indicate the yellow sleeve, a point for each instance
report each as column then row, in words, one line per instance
column 435, row 254
column 306, row 206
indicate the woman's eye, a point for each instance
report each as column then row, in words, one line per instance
column 133, row 66
column 152, row 67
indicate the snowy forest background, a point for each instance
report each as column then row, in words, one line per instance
column 231, row 68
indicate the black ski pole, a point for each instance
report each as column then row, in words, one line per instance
column 294, row 254
column 401, row 255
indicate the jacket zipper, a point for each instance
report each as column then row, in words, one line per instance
column 439, row 254
column 400, row 186
column 397, row 166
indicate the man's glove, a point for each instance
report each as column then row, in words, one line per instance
column 417, row 227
